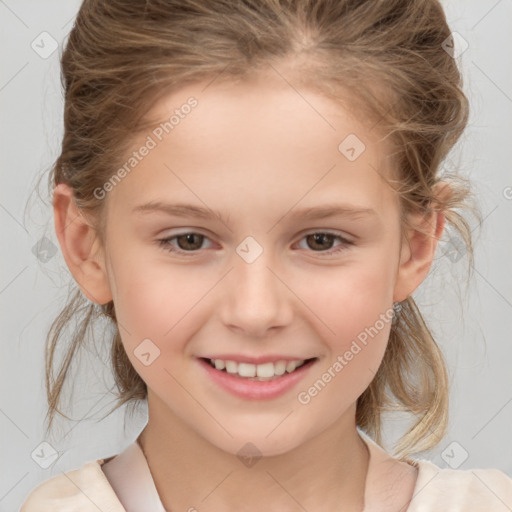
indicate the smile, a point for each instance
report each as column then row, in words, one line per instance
column 261, row 372
column 251, row 381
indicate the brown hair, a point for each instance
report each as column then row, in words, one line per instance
column 387, row 56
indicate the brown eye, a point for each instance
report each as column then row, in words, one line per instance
column 188, row 244
column 319, row 241
column 324, row 243
column 190, row 241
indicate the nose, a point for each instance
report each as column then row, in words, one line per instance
column 256, row 299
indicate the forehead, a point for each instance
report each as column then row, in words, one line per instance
column 265, row 104
column 261, row 136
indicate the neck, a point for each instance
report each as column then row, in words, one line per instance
column 325, row 473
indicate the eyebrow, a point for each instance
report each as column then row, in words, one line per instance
column 311, row 213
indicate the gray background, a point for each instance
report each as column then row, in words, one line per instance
column 472, row 324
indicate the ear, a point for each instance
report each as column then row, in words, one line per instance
column 419, row 247
column 81, row 246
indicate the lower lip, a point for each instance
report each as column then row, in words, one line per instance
column 255, row 389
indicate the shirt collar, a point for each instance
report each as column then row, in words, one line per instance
column 129, row 475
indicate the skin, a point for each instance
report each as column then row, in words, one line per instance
column 255, row 151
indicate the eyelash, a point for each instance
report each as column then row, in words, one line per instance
column 165, row 243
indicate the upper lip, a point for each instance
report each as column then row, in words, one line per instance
column 238, row 358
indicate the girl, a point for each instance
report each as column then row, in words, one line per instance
column 250, row 193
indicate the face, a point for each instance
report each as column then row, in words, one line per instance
column 267, row 275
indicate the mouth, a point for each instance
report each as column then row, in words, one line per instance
column 258, row 372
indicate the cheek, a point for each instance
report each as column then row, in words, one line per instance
column 354, row 303
column 157, row 307
column 356, row 306
column 351, row 298
column 157, row 301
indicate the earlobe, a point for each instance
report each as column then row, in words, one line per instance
column 81, row 246
column 418, row 253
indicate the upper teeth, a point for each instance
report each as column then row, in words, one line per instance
column 266, row 370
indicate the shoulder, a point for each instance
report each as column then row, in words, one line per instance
column 413, row 485
column 85, row 489
column 472, row 490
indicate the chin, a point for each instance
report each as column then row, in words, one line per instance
column 255, row 444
